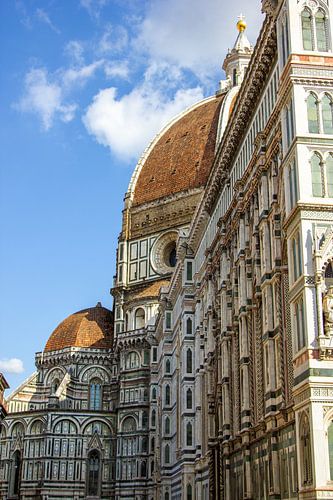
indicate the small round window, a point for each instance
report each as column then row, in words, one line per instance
column 164, row 253
column 170, row 255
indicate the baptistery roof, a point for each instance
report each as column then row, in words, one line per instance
column 181, row 156
column 91, row 327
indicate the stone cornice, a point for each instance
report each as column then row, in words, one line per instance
column 256, row 76
column 72, row 355
column 308, row 208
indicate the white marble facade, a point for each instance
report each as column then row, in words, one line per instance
column 219, row 384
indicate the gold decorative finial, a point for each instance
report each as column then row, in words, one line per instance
column 241, row 25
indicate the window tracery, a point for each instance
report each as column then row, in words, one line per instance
column 129, row 425
column 322, row 175
column 189, row 361
column 189, row 434
column 189, row 399
column 306, row 20
column 167, row 395
column 314, row 29
column 95, row 394
column 313, row 113
column 167, row 425
column 167, row 454
column 93, row 479
column 132, row 360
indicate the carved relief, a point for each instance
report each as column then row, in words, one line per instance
column 328, row 311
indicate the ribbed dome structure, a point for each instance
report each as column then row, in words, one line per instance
column 91, row 327
column 182, row 155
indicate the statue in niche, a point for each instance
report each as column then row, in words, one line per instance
column 328, row 310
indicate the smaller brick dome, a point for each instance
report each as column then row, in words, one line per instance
column 91, row 327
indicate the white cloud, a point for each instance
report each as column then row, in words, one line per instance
column 117, row 69
column 75, row 50
column 45, row 94
column 194, row 34
column 13, row 365
column 126, row 125
column 44, row 98
column 81, row 74
column 45, row 18
column 94, row 7
column 114, row 39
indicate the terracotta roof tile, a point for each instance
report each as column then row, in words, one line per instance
column 152, row 290
column 91, row 327
column 182, row 158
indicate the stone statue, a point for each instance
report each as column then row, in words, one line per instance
column 328, row 310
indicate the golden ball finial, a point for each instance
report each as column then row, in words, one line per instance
column 241, row 25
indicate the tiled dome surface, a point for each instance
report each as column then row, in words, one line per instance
column 182, row 158
column 91, row 327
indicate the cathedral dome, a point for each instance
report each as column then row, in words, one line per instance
column 91, row 327
column 181, row 156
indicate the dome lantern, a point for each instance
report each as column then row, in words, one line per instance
column 237, row 60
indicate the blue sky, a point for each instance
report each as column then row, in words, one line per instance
column 85, row 86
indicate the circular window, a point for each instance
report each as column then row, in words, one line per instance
column 170, row 254
column 164, row 253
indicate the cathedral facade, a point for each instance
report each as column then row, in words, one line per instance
column 213, row 376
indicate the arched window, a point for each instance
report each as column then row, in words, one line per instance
column 166, row 496
column 307, row 30
column 330, row 448
column 54, row 386
column 284, row 40
column 189, row 330
column 129, row 425
column 93, row 473
column 153, row 418
column 326, row 110
column 189, row 492
column 143, row 469
column 132, row 360
column 37, row 428
column 306, row 455
column 144, row 444
column 145, row 420
column 189, row 364
column 317, row 183
column 321, row 34
column 167, row 366
column 312, row 107
column 167, row 454
column 18, row 430
column 297, row 256
column 167, row 425
column 139, row 318
column 189, row 399
column 167, row 395
column 329, row 175
column 16, row 474
column 189, row 434
column 170, row 254
column 153, row 394
column 234, row 77
column 95, row 394
column 152, row 444
column 293, row 191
